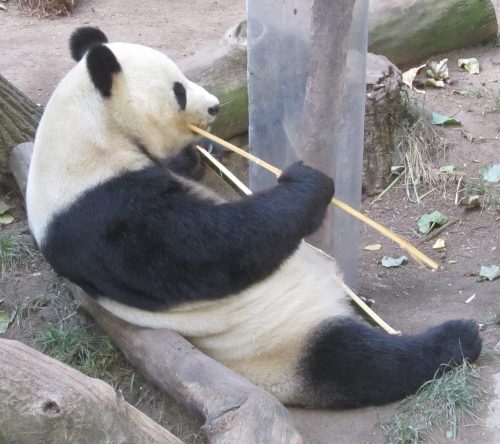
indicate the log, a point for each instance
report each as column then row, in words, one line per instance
column 235, row 410
column 19, row 118
column 45, row 401
column 408, row 31
column 221, row 68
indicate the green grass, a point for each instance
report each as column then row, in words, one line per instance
column 495, row 320
column 82, row 348
column 440, row 406
column 15, row 251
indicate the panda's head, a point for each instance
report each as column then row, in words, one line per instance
column 141, row 93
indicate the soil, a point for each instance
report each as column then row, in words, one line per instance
column 410, row 298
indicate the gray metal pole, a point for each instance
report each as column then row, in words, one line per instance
column 306, row 84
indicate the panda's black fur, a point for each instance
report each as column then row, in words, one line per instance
column 114, row 206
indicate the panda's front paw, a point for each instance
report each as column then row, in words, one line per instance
column 187, row 163
column 322, row 185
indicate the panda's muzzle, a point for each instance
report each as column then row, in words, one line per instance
column 213, row 110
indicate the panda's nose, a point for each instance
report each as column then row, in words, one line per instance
column 213, row 110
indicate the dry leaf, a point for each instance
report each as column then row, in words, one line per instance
column 435, row 83
column 373, row 247
column 471, row 65
column 438, row 70
column 409, row 77
column 439, row 244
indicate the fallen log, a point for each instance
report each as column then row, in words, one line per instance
column 235, row 410
column 409, row 31
column 45, row 401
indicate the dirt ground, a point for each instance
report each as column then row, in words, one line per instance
column 410, row 298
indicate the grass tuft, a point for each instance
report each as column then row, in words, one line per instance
column 48, row 8
column 84, row 349
column 489, row 192
column 444, row 403
column 495, row 320
column 418, row 144
column 15, row 251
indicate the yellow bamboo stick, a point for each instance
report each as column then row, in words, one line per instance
column 245, row 190
column 403, row 243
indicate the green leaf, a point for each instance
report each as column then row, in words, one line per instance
column 5, row 320
column 492, row 173
column 448, row 169
column 490, row 272
column 4, row 207
column 6, row 219
column 389, row 262
column 453, row 261
column 440, row 119
column 427, row 222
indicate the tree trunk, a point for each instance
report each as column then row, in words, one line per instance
column 45, row 401
column 408, row 31
column 19, row 118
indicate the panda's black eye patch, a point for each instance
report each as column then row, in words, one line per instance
column 180, row 94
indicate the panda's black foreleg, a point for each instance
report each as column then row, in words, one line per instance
column 349, row 364
column 187, row 163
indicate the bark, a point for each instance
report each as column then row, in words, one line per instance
column 45, row 401
column 408, row 31
column 19, row 118
column 235, row 410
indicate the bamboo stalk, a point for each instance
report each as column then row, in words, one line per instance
column 213, row 162
column 403, row 243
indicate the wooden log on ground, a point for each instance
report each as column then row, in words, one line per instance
column 235, row 410
column 221, row 68
column 45, row 401
column 408, row 31
column 19, row 117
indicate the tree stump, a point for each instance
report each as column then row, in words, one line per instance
column 383, row 108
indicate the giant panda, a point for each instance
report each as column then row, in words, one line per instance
column 113, row 205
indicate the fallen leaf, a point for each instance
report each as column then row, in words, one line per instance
column 389, row 262
column 434, row 83
column 471, row 65
column 409, row 77
column 463, row 92
column 5, row 320
column 470, row 201
column 373, row 247
column 4, row 207
column 490, row 272
column 439, row 244
column 448, row 169
column 6, row 219
column 440, row 119
column 426, row 222
column 492, row 173
column 438, row 70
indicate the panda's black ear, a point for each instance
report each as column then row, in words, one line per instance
column 102, row 66
column 83, row 39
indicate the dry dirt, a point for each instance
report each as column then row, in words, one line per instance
column 410, row 298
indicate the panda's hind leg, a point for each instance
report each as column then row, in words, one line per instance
column 349, row 364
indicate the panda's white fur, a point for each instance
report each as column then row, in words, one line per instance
column 89, row 150
column 257, row 335
column 287, row 325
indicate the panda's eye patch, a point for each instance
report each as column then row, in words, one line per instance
column 180, row 94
